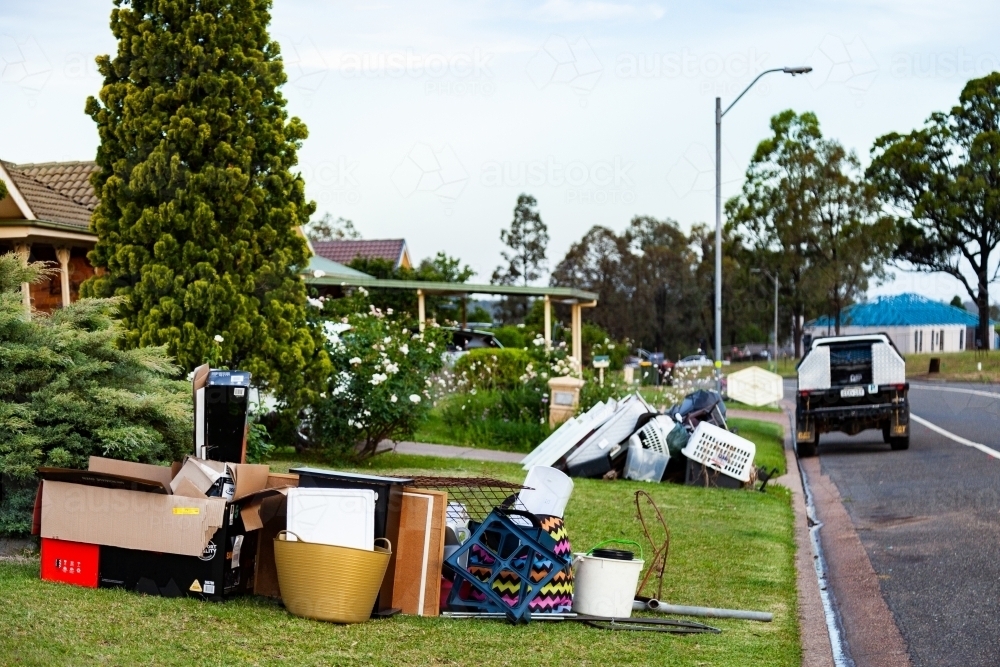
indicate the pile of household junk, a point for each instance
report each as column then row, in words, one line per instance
column 629, row 439
column 334, row 545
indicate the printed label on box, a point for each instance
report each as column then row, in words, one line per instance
column 237, row 545
column 209, row 587
column 195, row 587
column 187, row 510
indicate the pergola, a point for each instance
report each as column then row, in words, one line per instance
column 577, row 299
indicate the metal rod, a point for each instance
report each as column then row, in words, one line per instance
column 709, row 612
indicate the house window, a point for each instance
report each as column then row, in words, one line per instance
column 961, row 339
column 941, row 339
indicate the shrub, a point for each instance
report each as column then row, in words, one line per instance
column 490, row 368
column 379, row 388
column 513, row 419
column 68, row 391
column 512, row 336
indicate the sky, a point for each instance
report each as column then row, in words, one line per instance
column 427, row 120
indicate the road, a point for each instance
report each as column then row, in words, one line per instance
column 929, row 519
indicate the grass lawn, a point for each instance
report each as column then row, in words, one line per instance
column 786, row 366
column 728, row 549
column 959, row 366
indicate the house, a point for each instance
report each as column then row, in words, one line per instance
column 46, row 217
column 915, row 324
column 346, row 250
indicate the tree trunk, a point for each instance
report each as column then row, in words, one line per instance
column 797, row 330
column 983, row 305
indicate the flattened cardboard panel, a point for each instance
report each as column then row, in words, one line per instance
column 101, row 479
column 129, row 519
column 250, row 478
column 266, row 579
column 162, row 474
column 187, row 489
column 195, row 474
column 420, row 551
column 277, row 480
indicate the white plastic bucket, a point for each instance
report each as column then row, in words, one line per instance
column 605, row 586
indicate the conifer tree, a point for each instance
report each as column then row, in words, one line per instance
column 199, row 213
column 67, row 392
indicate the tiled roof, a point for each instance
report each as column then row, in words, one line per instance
column 902, row 310
column 345, row 251
column 56, row 191
column 331, row 269
column 68, row 178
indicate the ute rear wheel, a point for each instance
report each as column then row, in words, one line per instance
column 886, row 438
column 807, row 449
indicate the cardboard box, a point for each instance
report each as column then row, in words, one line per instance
column 226, row 568
column 155, row 541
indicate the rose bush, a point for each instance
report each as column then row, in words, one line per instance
column 380, row 383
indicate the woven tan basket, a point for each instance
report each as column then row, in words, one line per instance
column 336, row 584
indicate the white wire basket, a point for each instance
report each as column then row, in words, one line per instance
column 722, row 451
column 653, row 435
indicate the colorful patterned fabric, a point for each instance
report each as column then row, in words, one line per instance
column 556, row 596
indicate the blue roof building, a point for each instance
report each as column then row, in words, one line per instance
column 915, row 323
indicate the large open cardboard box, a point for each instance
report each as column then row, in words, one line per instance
column 158, row 542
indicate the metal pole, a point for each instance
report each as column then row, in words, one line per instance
column 719, row 113
column 718, row 243
column 775, row 276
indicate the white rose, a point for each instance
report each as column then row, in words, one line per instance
column 393, row 399
column 414, row 398
column 355, row 361
column 218, row 338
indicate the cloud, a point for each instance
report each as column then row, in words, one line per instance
column 593, row 10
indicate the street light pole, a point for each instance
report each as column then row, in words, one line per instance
column 719, row 113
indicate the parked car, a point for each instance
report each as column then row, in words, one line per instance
column 695, row 361
column 849, row 384
column 463, row 340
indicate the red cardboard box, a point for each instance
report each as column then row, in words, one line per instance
column 70, row 562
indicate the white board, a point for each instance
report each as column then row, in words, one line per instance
column 338, row 517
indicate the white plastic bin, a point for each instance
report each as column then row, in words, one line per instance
column 548, row 491
column 605, row 586
column 645, row 465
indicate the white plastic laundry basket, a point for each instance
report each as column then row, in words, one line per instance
column 721, row 450
column 654, row 434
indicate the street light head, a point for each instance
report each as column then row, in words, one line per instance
column 796, row 70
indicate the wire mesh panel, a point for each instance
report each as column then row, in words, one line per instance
column 479, row 495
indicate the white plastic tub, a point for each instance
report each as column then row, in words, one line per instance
column 644, row 465
column 605, row 586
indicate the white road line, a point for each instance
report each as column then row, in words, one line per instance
column 957, row 438
column 955, row 390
